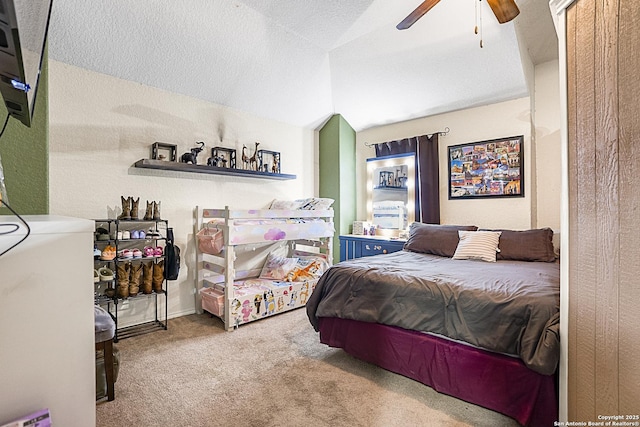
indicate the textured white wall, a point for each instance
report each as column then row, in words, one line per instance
column 100, row 125
column 476, row 124
column 548, row 144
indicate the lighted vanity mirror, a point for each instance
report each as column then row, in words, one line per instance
column 391, row 192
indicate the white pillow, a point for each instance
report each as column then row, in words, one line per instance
column 286, row 204
column 482, row 245
column 316, row 203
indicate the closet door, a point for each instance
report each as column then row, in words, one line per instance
column 603, row 87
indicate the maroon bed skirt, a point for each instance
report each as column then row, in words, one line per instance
column 494, row 381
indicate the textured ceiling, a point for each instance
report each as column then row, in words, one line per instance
column 299, row 62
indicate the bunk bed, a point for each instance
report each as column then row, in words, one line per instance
column 484, row 332
column 243, row 293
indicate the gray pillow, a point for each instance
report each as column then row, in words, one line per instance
column 435, row 239
column 527, row 245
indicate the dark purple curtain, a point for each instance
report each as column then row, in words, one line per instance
column 425, row 149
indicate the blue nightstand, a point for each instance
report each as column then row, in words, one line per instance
column 355, row 246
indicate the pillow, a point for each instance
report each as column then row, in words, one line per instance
column 286, row 204
column 316, row 203
column 307, row 268
column 482, row 245
column 527, row 245
column 435, row 239
column 277, row 267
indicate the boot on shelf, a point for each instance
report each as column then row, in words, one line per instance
column 134, row 207
column 148, row 215
column 134, row 279
column 126, row 208
column 147, row 277
column 156, row 211
column 158, row 277
column 124, row 269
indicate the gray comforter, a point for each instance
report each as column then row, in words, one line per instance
column 508, row 307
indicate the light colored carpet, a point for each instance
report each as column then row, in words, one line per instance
column 273, row 372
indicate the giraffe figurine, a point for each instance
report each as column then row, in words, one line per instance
column 253, row 162
column 245, row 159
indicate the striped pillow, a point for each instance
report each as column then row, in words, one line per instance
column 482, row 245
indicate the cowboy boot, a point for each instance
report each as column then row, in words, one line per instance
column 123, row 279
column 147, row 277
column 158, row 277
column 126, row 208
column 134, row 279
column 134, row 207
column 148, row 215
column 156, row 211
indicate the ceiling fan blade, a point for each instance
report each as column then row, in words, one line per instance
column 505, row 10
column 417, row 14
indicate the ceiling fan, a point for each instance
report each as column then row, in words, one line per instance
column 505, row 11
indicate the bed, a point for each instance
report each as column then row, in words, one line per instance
column 256, row 263
column 485, row 332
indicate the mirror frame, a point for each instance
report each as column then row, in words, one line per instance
column 408, row 160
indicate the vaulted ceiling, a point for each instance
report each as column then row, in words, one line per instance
column 300, row 61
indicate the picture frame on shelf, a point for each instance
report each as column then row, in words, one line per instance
column 268, row 161
column 164, row 152
column 487, row 169
column 222, row 157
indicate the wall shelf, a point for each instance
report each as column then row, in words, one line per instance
column 184, row 167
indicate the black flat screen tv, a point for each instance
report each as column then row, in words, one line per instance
column 23, row 32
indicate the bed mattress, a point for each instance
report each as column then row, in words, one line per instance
column 509, row 307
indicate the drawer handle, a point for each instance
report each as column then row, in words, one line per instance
column 377, row 247
column 384, row 251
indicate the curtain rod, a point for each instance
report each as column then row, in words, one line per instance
column 440, row 133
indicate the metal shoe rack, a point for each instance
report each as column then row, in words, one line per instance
column 111, row 303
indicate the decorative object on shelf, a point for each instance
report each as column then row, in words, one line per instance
column 161, row 151
column 253, row 161
column 204, row 169
column 245, row 158
column 222, row 157
column 192, row 156
column 269, row 161
column 493, row 168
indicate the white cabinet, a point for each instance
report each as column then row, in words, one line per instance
column 47, row 355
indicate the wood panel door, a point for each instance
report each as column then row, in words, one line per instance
column 603, row 88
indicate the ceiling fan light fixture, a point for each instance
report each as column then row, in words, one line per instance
column 505, row 10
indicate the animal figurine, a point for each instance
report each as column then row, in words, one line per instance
column 192, row 157
column 216, row 160
column 245, row 158
column 253, row 161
